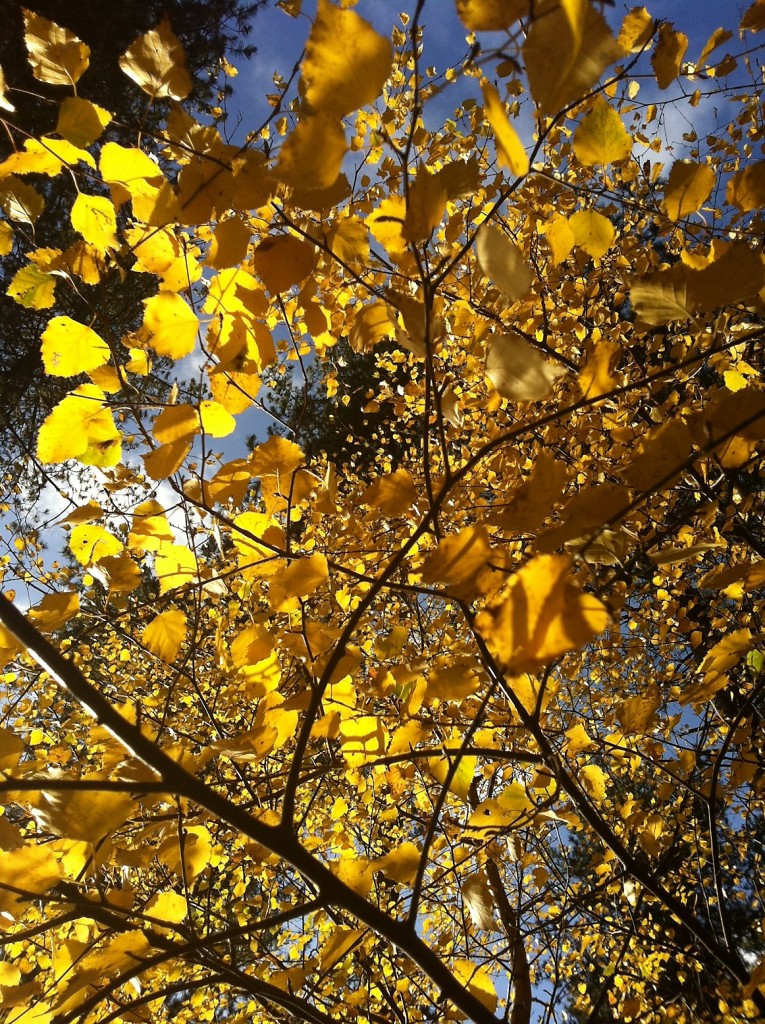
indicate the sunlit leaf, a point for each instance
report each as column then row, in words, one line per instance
column 57, row 56
column 601, row 137
column 543, row 615
column 339, row 78
column 156, row 62
column 165, row 634
column 689, row 186
column 312, row 155
column 299, row 579
column 518, row 371
column 80, row 121
column 592, row 232
column 171, row 325
column 175, row 566
column 95, row 219
column 69, row 348
column 746, row 189
column 502, row 261
column 668, row 56
column 90, row 542
column 490, row 15
column 80, row 426
column 511, row 152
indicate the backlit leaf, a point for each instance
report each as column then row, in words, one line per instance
column 543, row 615
column 156, row 62
column 175, row 566
column 69, row 348
column 502, row 261
column 89, row 543
column 94, row 218
column 312, row 155
column 165, row 634
column 57, row 56
column 511, row 152
column 518, row 371
column 339, row 77
column 690, row 184
column 299, row 579
column 490, row 15
column 592, row 232
column 80, row 426
column 668, row 55
column 746, row 189
column 80, row 121
column 282, row 261
column 601, row 137
column 171, row 325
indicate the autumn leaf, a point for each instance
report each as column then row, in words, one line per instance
column 543, row 615
column 165, row 634
column 156, row 62
column 57, row 56
column 601, row 137
column 517, row 370
column 69, row 348
column 501, row 260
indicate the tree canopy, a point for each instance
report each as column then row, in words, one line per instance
column 444, row 700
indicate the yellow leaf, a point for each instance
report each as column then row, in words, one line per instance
column 597, row 378
column 578, row 739
column 689, row 185
column 216, row 421
column 426, row 203
column 661, row 456
column 491, row 15
column 55, row 610
column 282, row 261
column 156, row 62
column 130, row 173
column 601, row 138
column 80, row 427
column 46, row 156
column 544, row 614
column 176, row 423
column 339, row 942
column 363, row 738
column 229, row 243
column 746, row 189
column 371, row 325
column 312, row 155
column 400, row 864
column 502, row 261
column 668, row 56
column 69, row 348
column 175, row 566
column 394, row 494
column 5, row 103
column 94, row 218
column 277, row 456
column 510, row 150
column 477, row 980
column 170, row 324
column 387, row 223
column 89, row 543
column 80, row 121
column 299, row 579
column 168, row 906
column 559, row 237
column 636, row 714
column 517, row 370
column 594, row 780
column 188, row 859
column 20, row 201
column 6, row 238
column 349, row 240
column 166, row 460
column 165, row 634
column 636, row 30
column 530, row 504
column 57, row 56
column 567, row 48
column 346, row 62
column 754, row 17
column 85, row 815
column 121, row 573
column 37, row 865
column 592, row 232
column 459, row 560
column 463, row 777
column 477, row 897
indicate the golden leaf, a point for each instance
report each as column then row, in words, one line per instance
column 282, row 261
column 166, row 460
column 601, row 137
column 165, row 634
column 340, row 942
column 346, row 62
column 96, row 221
column 426, row 204
column 69, row 348
column 57, row 56
column 394, row 494
column 568, row 46
column 668, row 56
column 510, row 150
column 637, row 714
column 312, row 155
column 229, row 243
column 502, row 261
column 518, row 371
column 559, row 237
column 477, row 897
column 156, row 62
column 80, row 427
column 175, row 566
column 594, row 780
column 80, row 121
column 592, row 232
column 171, row 326
column 477, row 980
column 597, row 378
column 459, row 560
column 530, row 504
column 746, row 189
column 81, row 814
column 90, row 542
column 544, row 614
column 491, row 15
column 689, row 185
column 299, row 579
column 636, row 30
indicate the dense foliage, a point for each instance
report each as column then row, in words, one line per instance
column 445, row 700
